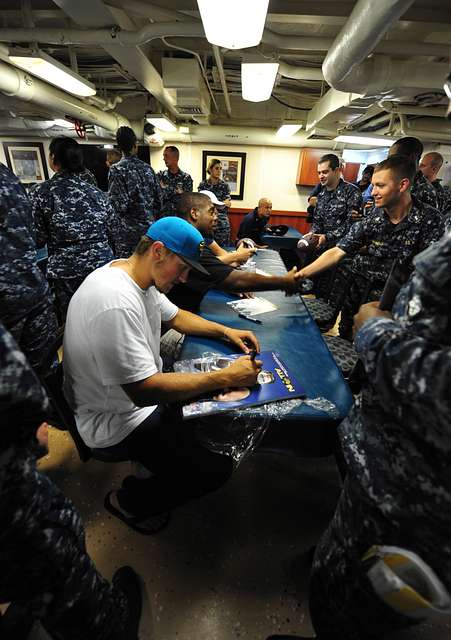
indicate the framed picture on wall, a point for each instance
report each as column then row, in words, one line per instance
column 233, row 170
column 26, row 160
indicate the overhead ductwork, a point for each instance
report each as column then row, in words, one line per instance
column 358, row 38
column 17, row 83
column 299, row 73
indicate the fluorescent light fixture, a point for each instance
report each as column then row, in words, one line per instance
column 183, row 129
column 288, row 130
column 43, row 66
column 108, row 146
column 365, row 140
column 447, row 88
column 160, row 121
column 257, row 80
column 234, row 24
column 60, row 122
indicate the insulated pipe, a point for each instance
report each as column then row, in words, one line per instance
column 439, row 130
column 115, row 35
column 17, row 83
column 413, row 110
column 380, row 75
column 359, row 36
column 220, row 67
column 299, row 73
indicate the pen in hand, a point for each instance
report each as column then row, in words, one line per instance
column 253, row 354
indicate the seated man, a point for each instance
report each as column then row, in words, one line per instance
column 234, row 258
column 397, row 228
column 255, row 223
column 199, row 211
column 114, row 380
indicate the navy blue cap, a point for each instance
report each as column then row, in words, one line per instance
column 181, row 238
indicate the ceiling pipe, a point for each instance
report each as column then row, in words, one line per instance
column 300, row 73
column 222, row 78
column 414, row 110
column 379, row 75
column 17, row 83
column 359, row 37
column 438, row 130
column 117, row 36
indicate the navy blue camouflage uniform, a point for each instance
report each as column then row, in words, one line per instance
column 45, row 569
column 384, row 242
column 73, row 218
column 424, row 191
column 135, row 196
column 332, row 218
column 88, row 177
column 26, row 303
column 443, row 197
column 397, row 444
column 221, row 189
column 172, row 186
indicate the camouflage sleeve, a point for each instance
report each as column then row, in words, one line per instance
column 407, row 371
column 158, row 197
column 189, row 183
column 23, row 401
column 431, row 232
column 40, row 221
column 354, row 239
column 117, row 192
column 318, row 223
column 353, row 201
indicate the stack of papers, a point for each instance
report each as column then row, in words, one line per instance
column 252, row 306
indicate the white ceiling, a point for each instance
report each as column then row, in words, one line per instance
column 298, row 33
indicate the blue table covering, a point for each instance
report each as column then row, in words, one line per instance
column 289, row 330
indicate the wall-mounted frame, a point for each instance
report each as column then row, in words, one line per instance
column 27, row 161
column 233, row 170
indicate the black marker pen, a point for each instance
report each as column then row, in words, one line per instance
column 242, row 315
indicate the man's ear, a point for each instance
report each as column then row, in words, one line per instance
column 404, row 184
column 158, row 249
column 194, row 213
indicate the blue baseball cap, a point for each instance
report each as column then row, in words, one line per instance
column 181, row 238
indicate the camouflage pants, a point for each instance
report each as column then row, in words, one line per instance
column 343, row 604
column 359, row 292
column 63, row 290
column 46, row 571
column 222, row 230
column 35, row 332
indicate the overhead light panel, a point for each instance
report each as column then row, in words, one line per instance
column 366, row 141
column 257, row 80
column 234, row 24
column 288, row 130
column 183, row 129
column 40, row 64
column 161, row 122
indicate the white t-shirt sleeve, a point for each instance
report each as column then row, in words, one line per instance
column 119, row 347
column 168, row 309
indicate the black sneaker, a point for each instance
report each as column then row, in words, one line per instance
column 126, row 580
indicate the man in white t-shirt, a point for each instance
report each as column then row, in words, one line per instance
column 114, row 381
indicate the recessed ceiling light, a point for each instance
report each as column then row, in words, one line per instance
column 365, row 140
column 160, row 121
column 288, row 130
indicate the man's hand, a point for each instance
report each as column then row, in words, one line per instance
column 356, row 214
column 243, row 372
column 242, row 254
column 292, row 281
column 367, row 311
column 244, row 340
column 321, row 239
column 312, row 201
column 228, row 202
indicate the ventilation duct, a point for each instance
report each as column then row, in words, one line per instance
column 183, row 80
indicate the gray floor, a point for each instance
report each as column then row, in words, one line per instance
column 230, row 565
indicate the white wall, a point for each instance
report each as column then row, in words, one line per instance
column 270, row 172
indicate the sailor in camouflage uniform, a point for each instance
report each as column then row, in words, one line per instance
column 173, row 182
column 397, row 444
column 88, row 177
column 26, row 304
column 134, row 193
column 45, row 570
column 72, row 218
column 422, row 189
column 221, row 189
column 337, row 203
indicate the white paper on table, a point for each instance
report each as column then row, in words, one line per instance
column 262, row 273
column 252, row 306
